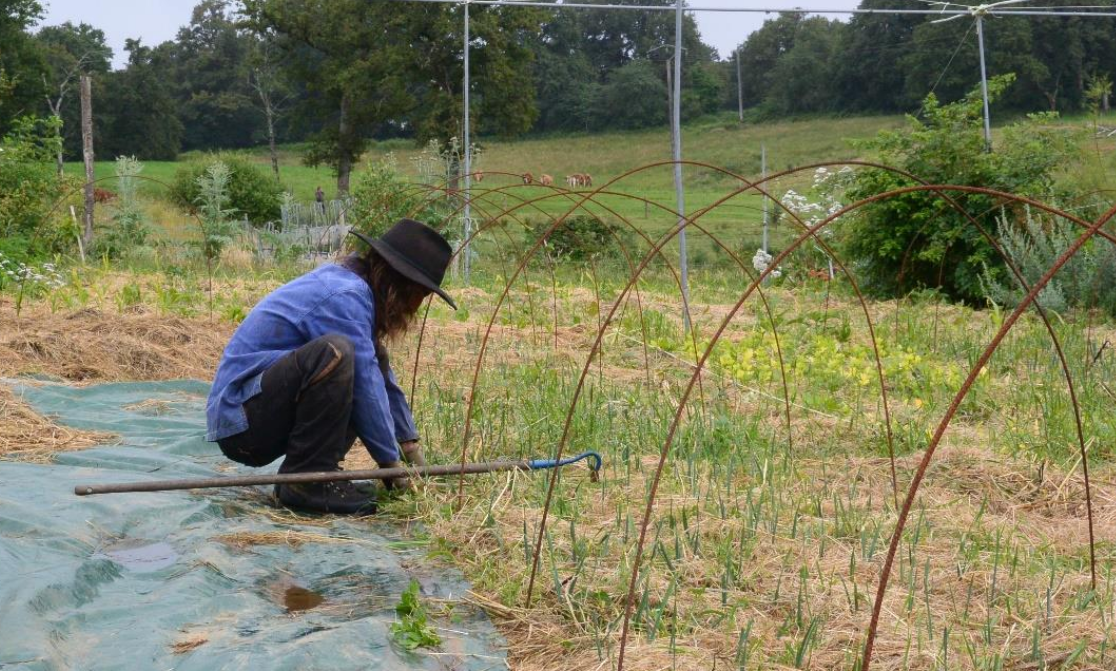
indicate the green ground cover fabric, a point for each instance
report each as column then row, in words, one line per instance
column 138, row 581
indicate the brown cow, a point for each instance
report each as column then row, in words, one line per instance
column 102, row 195
column 546, row 180
column 478, row 177
column 528, row 178
column 586, row 179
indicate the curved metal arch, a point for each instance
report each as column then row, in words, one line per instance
column 504, row 294
column 728, row 318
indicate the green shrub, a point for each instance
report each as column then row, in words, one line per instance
column 30, row 187
column 252, row 192
column 129, row 228
column 582, row 236
column 1085, row 281
column 916, row 239
column 381, row 196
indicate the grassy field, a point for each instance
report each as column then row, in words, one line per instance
column 747, row 510
column 774, row 506
column 722, row 143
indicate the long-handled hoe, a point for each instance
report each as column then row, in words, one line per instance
column 334, row 476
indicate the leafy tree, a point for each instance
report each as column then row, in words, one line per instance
column 566, row 88
column 1008, row 44
column 22, row 64
column 634, row 97
column 352, row 56
column 874, row 43
column 916, row 239
column 208, row 63
column 760, row 53
column 134, row 112
column 803, row 78
column 610, row 39
column 71, row 51
column 385, row 67
column 703, row 91
column 274, row 94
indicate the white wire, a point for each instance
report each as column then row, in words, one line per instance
column 763, row 10
column 950, row 61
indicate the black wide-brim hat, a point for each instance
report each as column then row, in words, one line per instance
column 416, row 252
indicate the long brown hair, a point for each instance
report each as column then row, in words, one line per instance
column 397, row 298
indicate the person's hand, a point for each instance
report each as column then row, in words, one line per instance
column 412, row 454
column 400, row 484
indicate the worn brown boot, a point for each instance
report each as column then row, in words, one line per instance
column 338, row 498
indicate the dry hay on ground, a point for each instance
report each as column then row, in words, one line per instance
column 89, row 345
column 242, row 540
column 28, row 436
column 1036, row 510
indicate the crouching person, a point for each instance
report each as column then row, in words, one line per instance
column 307, row 372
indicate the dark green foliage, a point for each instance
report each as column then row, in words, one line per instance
column 358, row 62
column 252, row 192
column 802, row 79
column 135, row 114
column 207, row 66
column 29, row 189
column 634, row 97
column 70, row 52
column 566, row 88
column 22, row 62
column 869, row 77
column 703, row 90
column 917, row 240
column 889, row 63
column 760, row 53
column 586, row 60
column 582, row 236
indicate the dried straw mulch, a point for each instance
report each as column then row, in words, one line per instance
column 91, row 346
column 28, row 436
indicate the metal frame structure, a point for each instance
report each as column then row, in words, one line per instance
column 946, row 11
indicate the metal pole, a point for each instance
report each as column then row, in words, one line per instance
column 984, row 84
column 676, row 124
column 468, row 157
column 763, row 175
column 593, row 458
column 739, row 87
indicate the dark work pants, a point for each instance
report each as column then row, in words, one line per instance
column 302, row 411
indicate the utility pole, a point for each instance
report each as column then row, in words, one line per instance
column 984, row 83
column 87, row 155
column 676, row 126
column 468, row 157
column 739, row 88
column 763, row 176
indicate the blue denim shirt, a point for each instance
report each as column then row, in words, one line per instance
column 330, row 299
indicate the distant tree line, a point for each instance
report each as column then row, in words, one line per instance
column 797, row 64
column 338, row 73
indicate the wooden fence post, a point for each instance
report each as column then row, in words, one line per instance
column 87, row 153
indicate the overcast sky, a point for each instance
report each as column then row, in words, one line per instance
column 155, row 21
